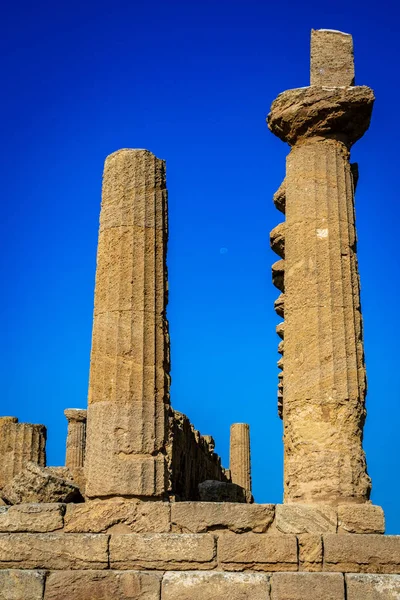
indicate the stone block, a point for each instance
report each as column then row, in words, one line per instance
column 37, row 484
column 277, row 240
column 31, row 518
column 119, row 442
column 332, row 59
column 280, row 198
column 306, row 518
column 110, row 515
column 199, row 517
column 310, row 552
column 258, row 552
column 215, row 585
column 220, row 491
column 360, row 518
column 356, row 553
column 53, row 551
column 102, row 585
column 307, row 586
column 21, row 585
column 162, row 551
column 373, row 587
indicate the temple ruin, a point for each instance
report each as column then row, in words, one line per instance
column 143, row 508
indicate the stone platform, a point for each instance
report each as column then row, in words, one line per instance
column 128, row 549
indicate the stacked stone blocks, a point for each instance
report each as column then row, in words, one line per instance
column 120, row 545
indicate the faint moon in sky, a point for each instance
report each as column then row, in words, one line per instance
column 223, row 250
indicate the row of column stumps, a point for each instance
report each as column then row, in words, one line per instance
column 322, row 386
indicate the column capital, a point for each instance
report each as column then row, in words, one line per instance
column 342, row 113
column 75, row 414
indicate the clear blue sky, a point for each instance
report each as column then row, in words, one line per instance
column 192, row 82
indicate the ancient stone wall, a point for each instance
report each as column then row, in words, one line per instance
column 127, row 549
column 192, row 459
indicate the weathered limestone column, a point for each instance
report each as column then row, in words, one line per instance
column 240, row 466
column 76, row 437
column 324, row 382
column 19, row 444
column 129, row 373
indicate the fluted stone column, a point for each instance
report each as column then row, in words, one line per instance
column 324, row 375
column 129, row 373
column 240, row 466
column 76, row 438
column 19, row 444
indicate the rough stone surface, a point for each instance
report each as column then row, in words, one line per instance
column 118, row 515
column 162, row 551
column 316, row 111
column 279, row 305
column 362, row 553
column 310, row 552
column 76, row 438
column 36, row 484
column 361, row 518
column 307, row 586
column 21, row 585
column 258, row 552
column 332, row 58
column 129, row 372
column 303, row 518
column 280, row 328
column 33, row 518
column 53, row 551
column 200, row 517
column 277, row 240
column 280, row 198
column 278, row 275
column 373, row 587
column 192, row 459
column 325, row 384
column 216, row 586
column 240, row 462
column 220, row 491
column 103, row 585
column 19, row 444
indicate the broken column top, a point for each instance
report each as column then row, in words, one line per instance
column 332, row 58
column 75, row 414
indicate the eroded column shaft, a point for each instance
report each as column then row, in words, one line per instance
column 19, row 444
column 324, row 376
column 240, row 465
column 76, row 438
column 129, row 374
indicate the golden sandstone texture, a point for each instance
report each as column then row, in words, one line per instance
column 239, row 464
column 127, row 549
column 20, row 443
column 131, row 535
column 129, row 372
column 321, row 391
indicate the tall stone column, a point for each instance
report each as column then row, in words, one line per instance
column 129, row 372
column 324, row 382
column 19, row 444
column 240, row 466
column 76, row 438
